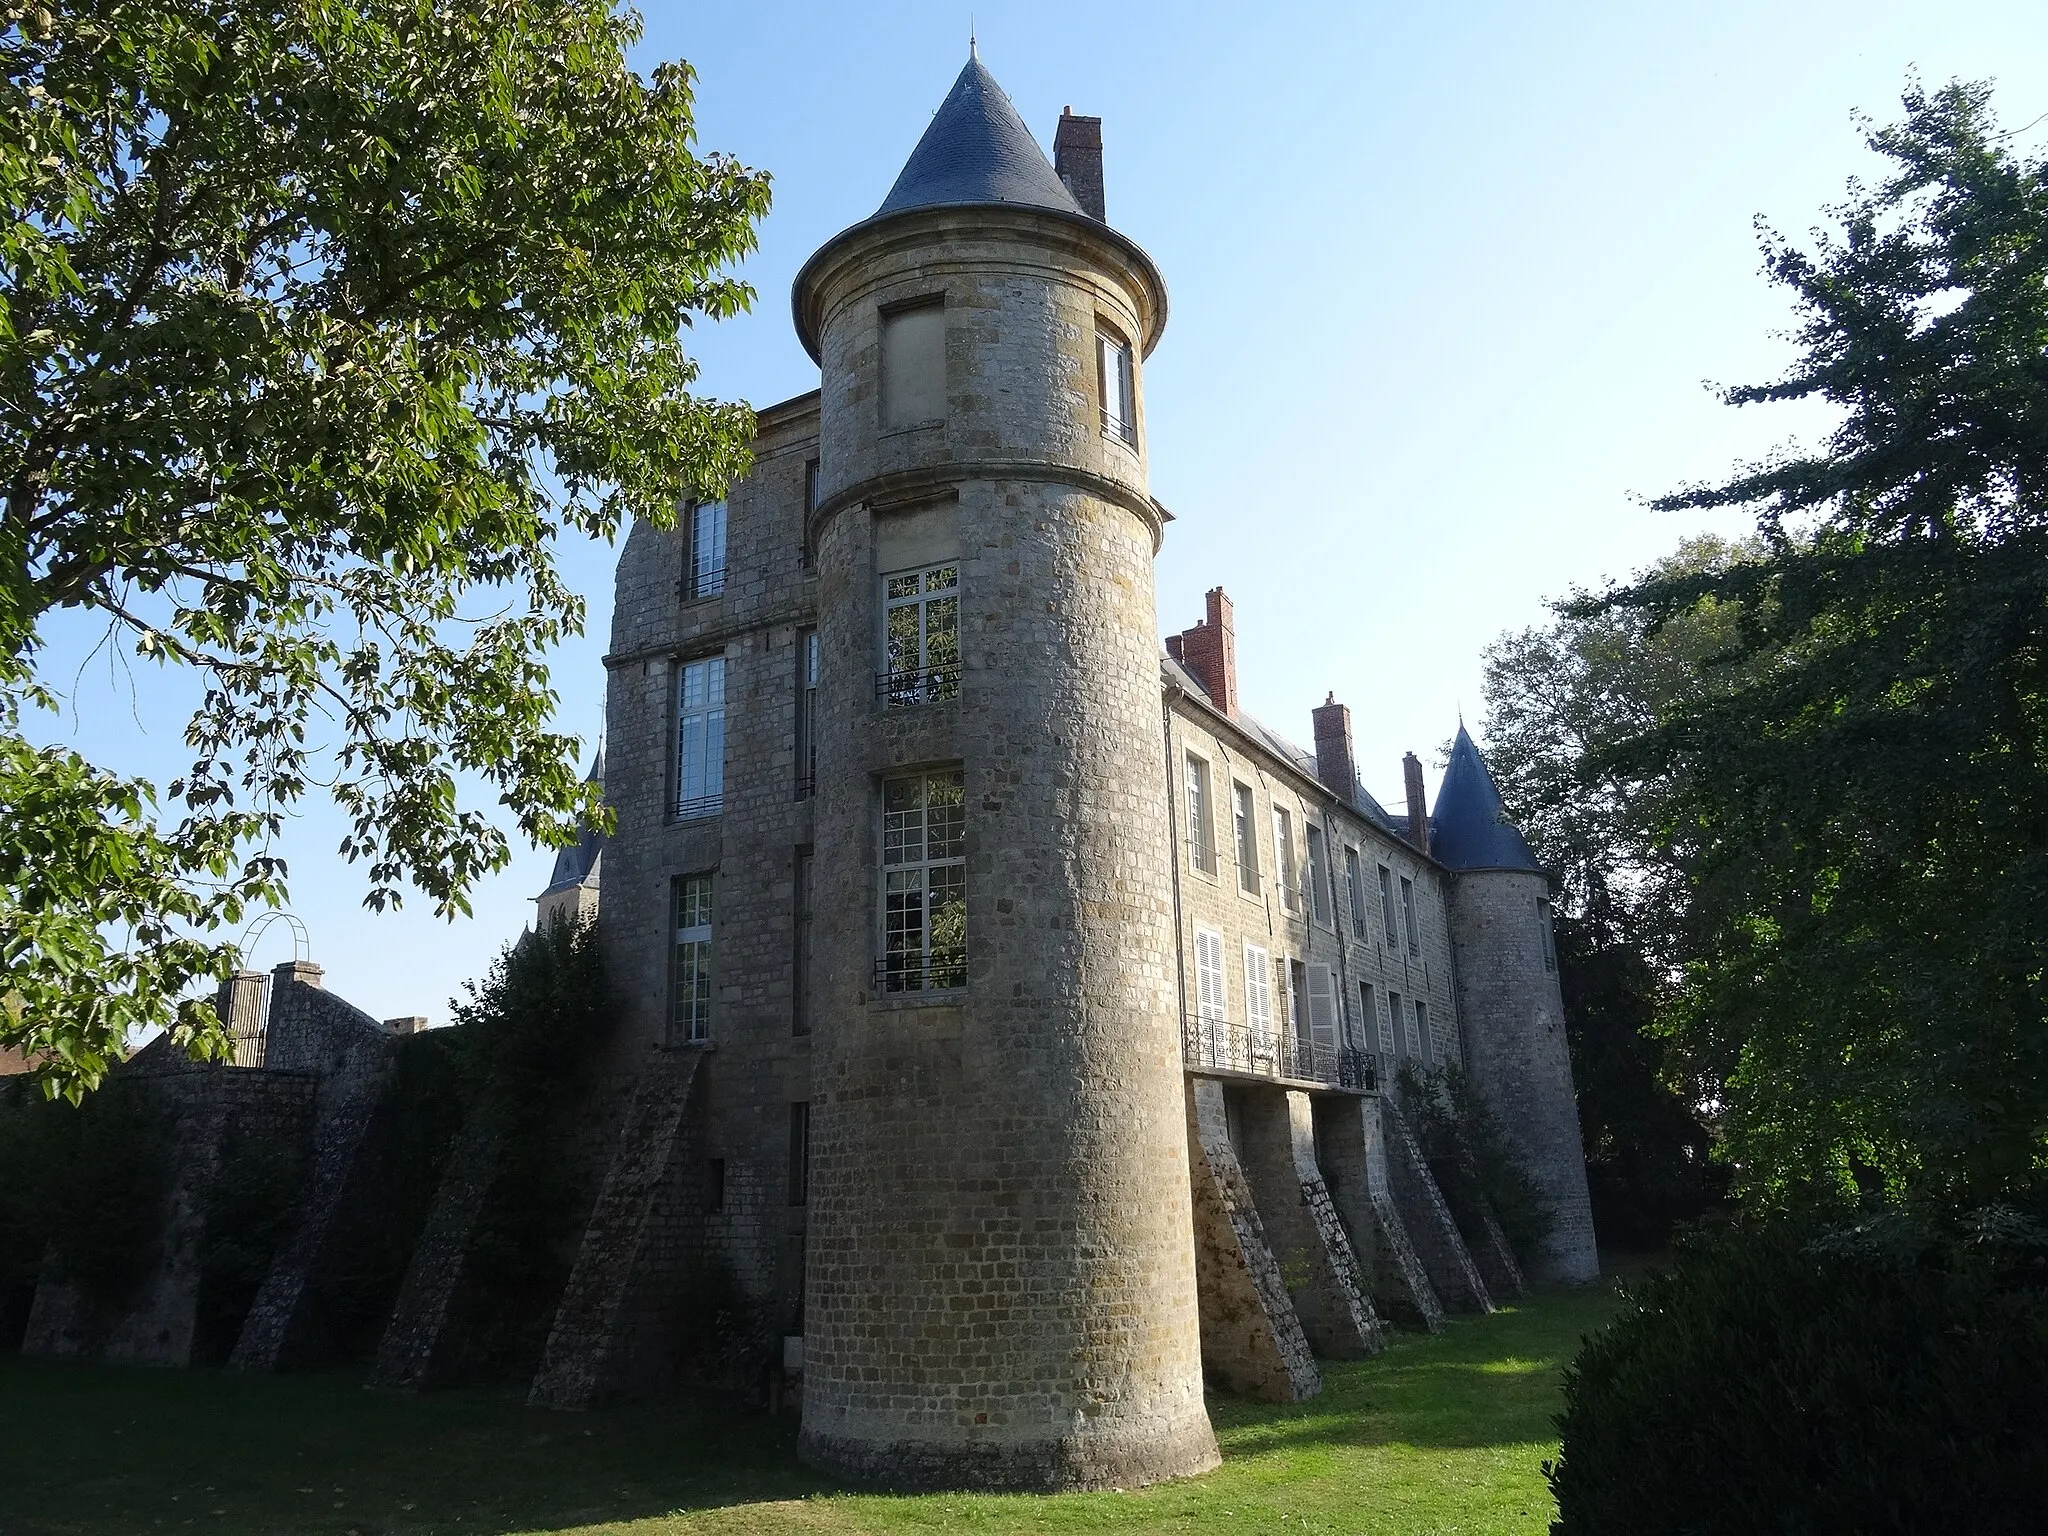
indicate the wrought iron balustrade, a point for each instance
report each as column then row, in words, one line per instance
column 924, row 685
column 921, row 973
column 699, row 807
column 1217, row 1045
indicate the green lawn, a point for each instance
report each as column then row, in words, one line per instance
column 1438, row 1434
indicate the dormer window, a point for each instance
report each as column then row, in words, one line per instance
column 1118, row 384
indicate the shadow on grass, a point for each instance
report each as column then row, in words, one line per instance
column 121, row 1452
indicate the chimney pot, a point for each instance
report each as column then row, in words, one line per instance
column 1335, row 765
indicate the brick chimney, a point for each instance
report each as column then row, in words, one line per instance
column 1209, row 651
column 1334, row 764
column 1077, row 157
column 1418, row 813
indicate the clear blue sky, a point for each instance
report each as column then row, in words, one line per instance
column 1446, row 281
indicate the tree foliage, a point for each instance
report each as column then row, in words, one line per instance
column 1863, row 817
column 321, row 324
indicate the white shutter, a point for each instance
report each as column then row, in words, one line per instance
column 1322, row 1008
column 1258, row 999
column 1209, row 996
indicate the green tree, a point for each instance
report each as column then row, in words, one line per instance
column 1559, row 699
column 321, row 324
column 1863, row 820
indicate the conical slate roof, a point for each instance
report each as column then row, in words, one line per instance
column 573, row 865
column 977, row 150
column 1469, row 829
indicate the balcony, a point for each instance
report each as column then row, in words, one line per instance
column 1217, row 1045
column 925, row 685
column 941, row 971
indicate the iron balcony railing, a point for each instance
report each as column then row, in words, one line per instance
column 921, row 973
column 925, row 685
column 1217, row 1045
column 698, row 807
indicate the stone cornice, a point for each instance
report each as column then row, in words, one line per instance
column 904, row 486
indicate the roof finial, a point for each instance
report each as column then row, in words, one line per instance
column 972, row 51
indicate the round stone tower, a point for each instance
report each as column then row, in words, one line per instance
column 1000, row 1262
column 1509, row 1004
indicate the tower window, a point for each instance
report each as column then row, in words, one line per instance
column 1201, row 835
column 700, row 739
column 1247, row 840
column 1118, row 383
column 914, row 366
column 1545, row 934
column 921, row 638
column 924, row 882
column 706, row 574
column 690, row 967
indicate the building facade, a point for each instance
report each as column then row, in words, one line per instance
column 1038, row 1008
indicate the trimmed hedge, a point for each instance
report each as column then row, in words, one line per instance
column 1772, row 1382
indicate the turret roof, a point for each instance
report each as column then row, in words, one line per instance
column 574, row 865
column 977, row 150
column 1470, row 829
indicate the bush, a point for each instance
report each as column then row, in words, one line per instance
column 1776, row 1382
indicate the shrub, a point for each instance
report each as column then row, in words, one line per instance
column 1775, row 1382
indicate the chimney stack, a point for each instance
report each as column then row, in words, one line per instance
column 1418, row 814
column 1209, row 651
column 1077, row 158
column 1335, row 765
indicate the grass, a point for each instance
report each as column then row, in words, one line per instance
column 1443, row 1434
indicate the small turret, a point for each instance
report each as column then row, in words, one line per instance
column 1509, row 1002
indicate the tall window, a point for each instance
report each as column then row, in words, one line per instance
column 1370, row 1029
column 1119, row 387
column 1398, row 1024
column 1545, row 935
column 1258, row 999
column 924, row 882
column 1247, row 840
column 1354, row 891
column 1322, row 1007
column 1283, row 859
column 700, row 739
column 1410, row 1022
column 1201, row 834
column 1387, row 905
column 800, row 1154
column 689, row 1016
column 810, row 485
column 1408, row 916
column 806, row 713
column 913, row 366
column 1425, row 1046
column 706, row 574
column 1318, row 891
column 1211, row 1004
column 1294, row 978
column 921, row 643
column 800, row 957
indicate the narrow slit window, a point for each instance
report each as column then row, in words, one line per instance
column 800, row 956
column 806, row 713
column 800, row 1154
column 1546, row 935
